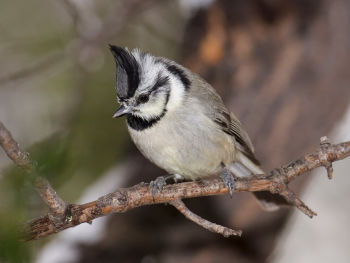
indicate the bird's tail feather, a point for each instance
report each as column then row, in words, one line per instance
column 244, row 167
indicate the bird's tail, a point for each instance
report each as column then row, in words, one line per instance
column 245, row 167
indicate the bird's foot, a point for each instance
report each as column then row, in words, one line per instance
column 228, row 180
column 158, row 184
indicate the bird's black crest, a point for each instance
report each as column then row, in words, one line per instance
column 128, row 75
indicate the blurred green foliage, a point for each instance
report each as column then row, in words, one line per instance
column 77, row 84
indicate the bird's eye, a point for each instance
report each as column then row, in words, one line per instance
column 143, row 98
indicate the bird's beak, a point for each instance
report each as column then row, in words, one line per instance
column 122, row 110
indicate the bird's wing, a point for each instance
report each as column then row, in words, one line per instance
column 226, row 120
column 232, row 126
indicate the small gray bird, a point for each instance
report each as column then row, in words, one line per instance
column 179, row 122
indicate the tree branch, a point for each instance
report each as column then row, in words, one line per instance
column 125, row 199
column 32, row 69
column 225, row 231
column 21, row 158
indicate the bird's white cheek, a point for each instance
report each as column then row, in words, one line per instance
column 176, row 94
column 152, row 109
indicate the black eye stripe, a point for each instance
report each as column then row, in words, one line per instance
column 161, row 81
column 179, row 73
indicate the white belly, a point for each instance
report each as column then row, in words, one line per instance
column 191, row 146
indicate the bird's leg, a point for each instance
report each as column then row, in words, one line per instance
column 228, row 180
column 158, row 184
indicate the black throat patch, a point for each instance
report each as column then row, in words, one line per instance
column 139, row 124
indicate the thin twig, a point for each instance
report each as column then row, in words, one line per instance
column 225, row 231
column 12, row 149
column 293, row 199
column 32, row 69
column 21, row 158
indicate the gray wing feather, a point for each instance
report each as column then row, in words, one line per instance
column 231, row 125
column 226, row 121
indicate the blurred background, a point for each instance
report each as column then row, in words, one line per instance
column 282, row 66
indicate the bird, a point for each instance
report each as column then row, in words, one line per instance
column 179, row 122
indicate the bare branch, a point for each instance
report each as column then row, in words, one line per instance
column 33, row 69
column 12, row 149
column 125, row 199
column 56, row 205
column 225, row 231
column 291, row 197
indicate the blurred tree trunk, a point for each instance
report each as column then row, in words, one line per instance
column 283, row 68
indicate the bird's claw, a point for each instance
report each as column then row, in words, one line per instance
column 157, row 185
column 228, row 180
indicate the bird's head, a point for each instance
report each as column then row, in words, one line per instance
column 147, row 86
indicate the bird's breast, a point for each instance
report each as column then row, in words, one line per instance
column 191, row 146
